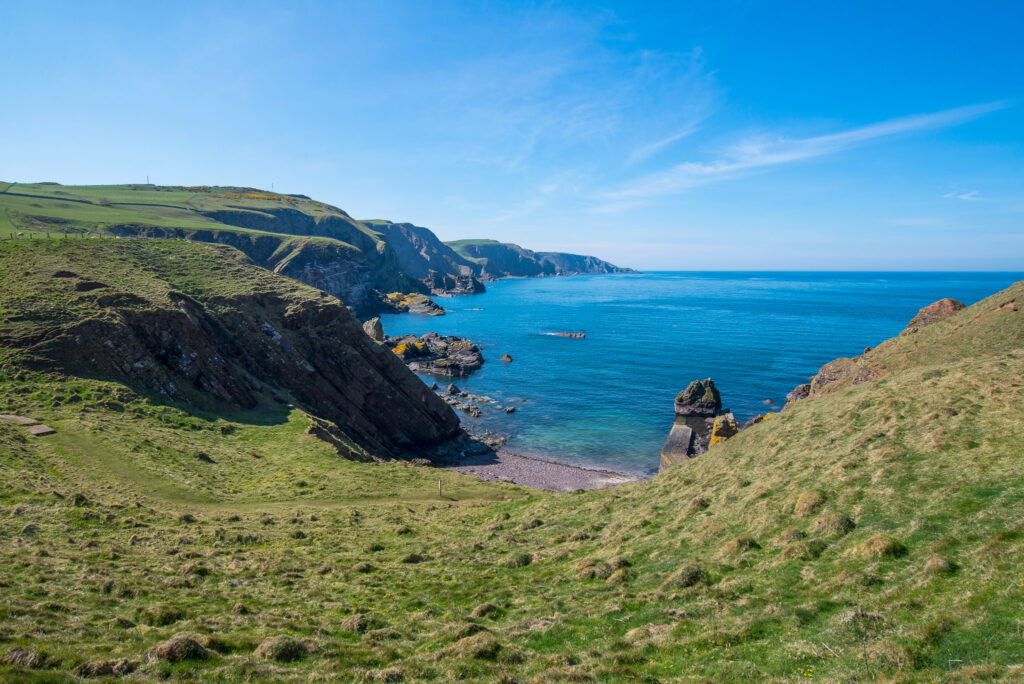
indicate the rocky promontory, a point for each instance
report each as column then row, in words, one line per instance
column 412, row 303
column 200, row 325
column 437, row 354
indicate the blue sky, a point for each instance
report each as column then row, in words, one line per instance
column 713, row 135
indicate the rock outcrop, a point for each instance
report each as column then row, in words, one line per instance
column 933, row 313
column 198, row 324
column 698, row 409
column 699, row 399
column 447, row 284
column 412, row 303
column 799, row 392
column 374, row 329
column 437, row 354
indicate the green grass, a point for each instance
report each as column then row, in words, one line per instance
column 875, row 533
column 94, row 208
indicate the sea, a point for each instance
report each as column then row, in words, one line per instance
column 605, row 401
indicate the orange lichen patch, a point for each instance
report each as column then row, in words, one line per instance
column 406, row 349
column 725, row 427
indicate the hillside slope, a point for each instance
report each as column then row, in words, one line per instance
column 313, row 242
column 873, row 532
column 200, row 324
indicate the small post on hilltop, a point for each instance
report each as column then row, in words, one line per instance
column 439, row 489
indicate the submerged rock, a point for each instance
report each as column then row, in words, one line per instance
column 506, row 358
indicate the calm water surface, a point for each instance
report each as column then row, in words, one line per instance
column 606, row 400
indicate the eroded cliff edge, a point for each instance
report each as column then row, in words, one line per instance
column 200, row 324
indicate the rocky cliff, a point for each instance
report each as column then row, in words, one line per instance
column 493, row 259
column 316, row 243
column 201, row 325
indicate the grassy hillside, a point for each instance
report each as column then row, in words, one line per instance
column 39, row 207
column 874, row 532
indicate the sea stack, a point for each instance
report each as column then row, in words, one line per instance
column 698, row 410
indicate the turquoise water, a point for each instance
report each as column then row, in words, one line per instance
column 606, row 400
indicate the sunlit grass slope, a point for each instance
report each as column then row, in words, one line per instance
column 875, row 532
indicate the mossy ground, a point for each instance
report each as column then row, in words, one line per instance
column 874, row 533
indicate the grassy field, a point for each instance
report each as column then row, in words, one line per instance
column 47, row 207
column 875, row 533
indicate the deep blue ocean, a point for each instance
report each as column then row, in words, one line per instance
column 606, row 401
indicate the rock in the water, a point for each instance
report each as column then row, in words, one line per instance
column 438, row 354
column 412, row 303
column 507, row 358
column 374, row 329
column 799, row 392
column 933, row 313
column 452, row 390
column 700, row 398
column 510, row 409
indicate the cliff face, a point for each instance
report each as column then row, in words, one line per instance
column 420, row 252
column 494, row 259
column 198, row 324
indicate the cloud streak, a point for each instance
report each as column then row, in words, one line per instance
column 761, row 153
column 970, row 195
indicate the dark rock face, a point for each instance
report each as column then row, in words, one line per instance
column 212, row 349
column 799, row 392
column 445, row 284
column 437, row 354
column 933, row 313
column 699, row 399
column 419, row 251
column 500, row 259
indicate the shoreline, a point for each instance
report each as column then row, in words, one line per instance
column 538, row 473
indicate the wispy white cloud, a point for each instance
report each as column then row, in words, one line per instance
column 752, row 154
column 653, row 148
column 970, row 195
